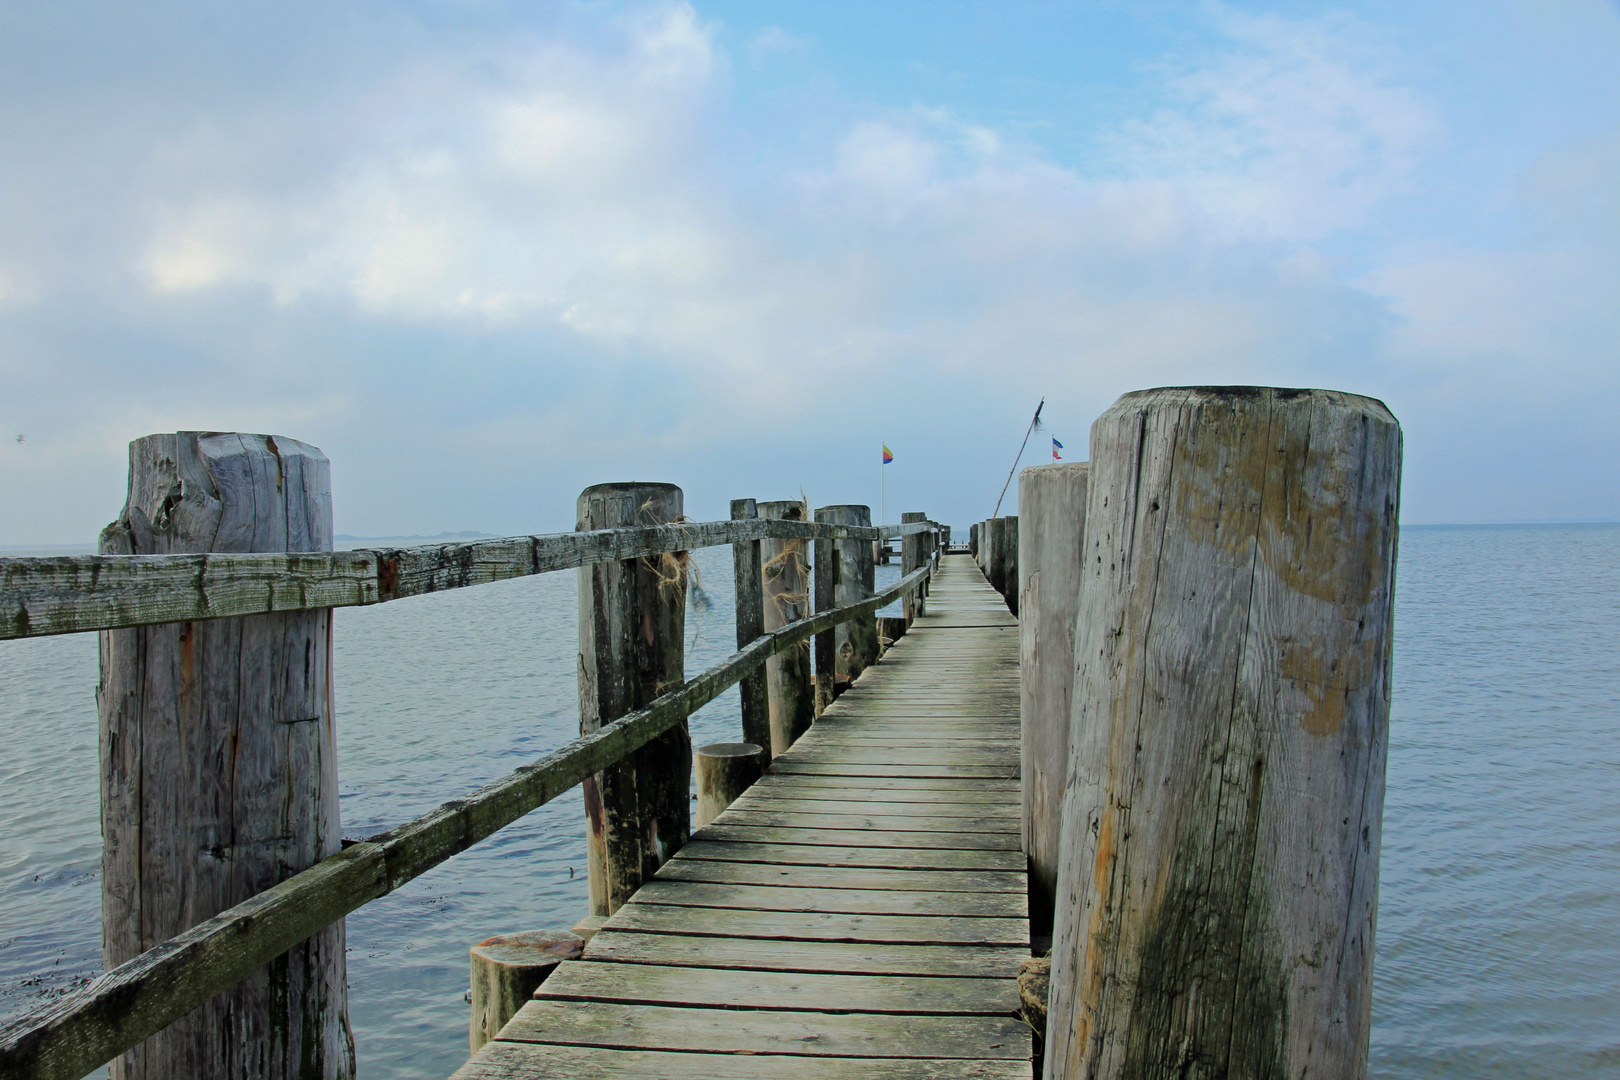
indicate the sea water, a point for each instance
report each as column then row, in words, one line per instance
column 1497, row 948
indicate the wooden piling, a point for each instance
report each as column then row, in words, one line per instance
column 505, row 971
column 750, row 605
column 995, row 550
column 913, row 554
column 790, row 697
column 890, row 630
column 218, row 767
column 844, row 575
column 1002, row 569
column 1218, row 876
column 1051, row 538
column 725, row 771
column 632, row 622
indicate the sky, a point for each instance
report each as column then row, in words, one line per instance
column 485, row 254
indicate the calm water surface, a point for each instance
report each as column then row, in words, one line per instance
column 1497, row 946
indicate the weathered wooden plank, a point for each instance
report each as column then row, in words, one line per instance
column 890, row 740
column 832, row 957
column 794, row 991
column 821, row 925
column 828, row 855
column 963, row 772
column 843, row 901
column 883, row 732
column 682, row 868
column 800, row 819
column 1004, row 759
column 729, row 1031
column 525, row 1061
column 996, row 811
column 893, row 839
column 949, row 800
column 813, row 781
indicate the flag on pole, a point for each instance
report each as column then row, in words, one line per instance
column 1056, row 446
column 888, row 455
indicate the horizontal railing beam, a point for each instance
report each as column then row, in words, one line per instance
column 75, row 593
column 83, row 1030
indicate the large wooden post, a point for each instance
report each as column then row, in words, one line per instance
column 1007, row 539
column 632, row 622
column 745, row 559
column 790, row 697
column 1218, row 878
column 913, row 556
column 995, row 567
column 218, row 763
column 1051, row 533
column 844, row 575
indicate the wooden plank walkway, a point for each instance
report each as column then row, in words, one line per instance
column 859, row 912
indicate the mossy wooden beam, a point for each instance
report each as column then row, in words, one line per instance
column 69, row 594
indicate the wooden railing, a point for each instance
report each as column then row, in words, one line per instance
column 38, row 596
column 69, row 594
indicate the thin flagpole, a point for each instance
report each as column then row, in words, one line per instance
column 1020, row 457
column 883, row 486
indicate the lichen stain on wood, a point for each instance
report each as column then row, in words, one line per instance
column 1327, row 682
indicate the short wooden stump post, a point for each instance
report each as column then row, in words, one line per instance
column 724, row 771
column 1218, row 872
column 506, row 970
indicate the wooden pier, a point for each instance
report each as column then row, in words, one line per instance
column 860, row 912
column 1165, row 691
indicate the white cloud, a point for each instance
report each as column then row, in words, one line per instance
column 773, row 42
column 497, row 235
column 1296, row 132
column 557, row 190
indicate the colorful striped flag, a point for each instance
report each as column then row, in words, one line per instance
column 1056, row 446
column 888, row 455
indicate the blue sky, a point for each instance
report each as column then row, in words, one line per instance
column 486, row 254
